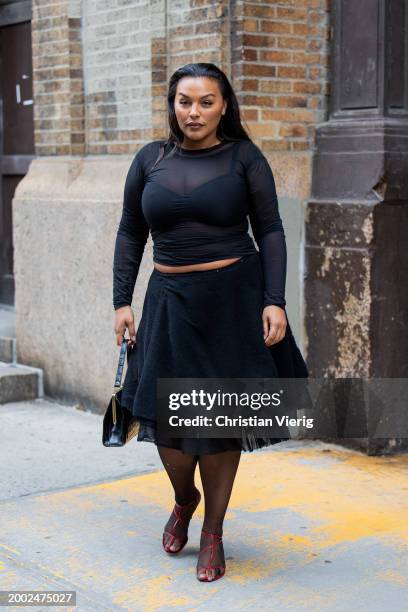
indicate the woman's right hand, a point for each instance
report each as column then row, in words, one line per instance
column 124, row 318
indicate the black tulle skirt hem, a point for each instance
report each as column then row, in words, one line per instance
column 204, row 324
column 202, row 446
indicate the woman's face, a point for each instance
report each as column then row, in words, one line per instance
column 198, row 100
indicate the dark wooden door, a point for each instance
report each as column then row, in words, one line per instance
column 16, row 135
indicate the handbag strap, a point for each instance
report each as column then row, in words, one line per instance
column 122, row 357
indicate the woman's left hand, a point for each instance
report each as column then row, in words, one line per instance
column 274, row 324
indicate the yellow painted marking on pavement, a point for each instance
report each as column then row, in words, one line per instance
column 338, row 496
column 352, row 497
column 392, row 576
column 8, row 548
column 156, row 595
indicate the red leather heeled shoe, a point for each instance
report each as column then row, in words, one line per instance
column 181, row 516
column 219, row 570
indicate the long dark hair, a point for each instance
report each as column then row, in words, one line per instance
column 229, row 128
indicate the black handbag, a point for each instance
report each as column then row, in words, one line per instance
column 119, row 425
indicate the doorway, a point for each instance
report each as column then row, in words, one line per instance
column 16, row 125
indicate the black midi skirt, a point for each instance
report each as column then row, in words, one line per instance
column 204, row 324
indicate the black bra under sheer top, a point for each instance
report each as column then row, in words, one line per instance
column 196, row 204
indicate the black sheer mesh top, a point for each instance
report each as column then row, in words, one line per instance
column 195, row 203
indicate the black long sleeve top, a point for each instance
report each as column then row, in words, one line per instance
column 195, row 203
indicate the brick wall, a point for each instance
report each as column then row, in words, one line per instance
column 279, row 66
column 57, row 78
column 101, row 68
column 118, row 74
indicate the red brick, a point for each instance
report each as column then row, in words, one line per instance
column 300, row 145
column 249, row 114
column 249, row 55
column 275, row 86
column 314, row 45
column 294, row 14
column 262, row 12
column 256, row 100
column 291, row 42
column 307, row 87
column 296, row 114
column 275, row 145
column 314, row 102
column 250, row 84
column 277, row 27
column 315, row 16
column 314, row 73
column 294, row 130
column 252, row 40
column 301, row 29
column 259, row 70
column 284, row 57
column 291, row 72
column 292, row 101
column 306, row 58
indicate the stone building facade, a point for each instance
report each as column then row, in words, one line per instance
column 100, row 74
column 323, row 90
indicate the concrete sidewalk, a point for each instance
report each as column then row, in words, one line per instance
column 310, row 526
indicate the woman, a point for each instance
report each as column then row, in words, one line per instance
column 214, row 306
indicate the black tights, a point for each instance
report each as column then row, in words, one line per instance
column 217, row 473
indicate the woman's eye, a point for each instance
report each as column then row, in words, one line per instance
column 207, row 102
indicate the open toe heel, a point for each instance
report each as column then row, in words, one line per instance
column 175, row 533
column 210, row 572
